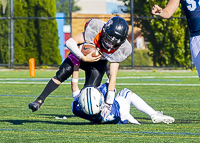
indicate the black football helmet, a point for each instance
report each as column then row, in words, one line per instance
column 114, row 33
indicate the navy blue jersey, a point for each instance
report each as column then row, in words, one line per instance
column 192, row 12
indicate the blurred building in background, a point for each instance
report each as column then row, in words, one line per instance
column 100, row 6
column 66, row 30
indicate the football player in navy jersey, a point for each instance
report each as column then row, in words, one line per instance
column 192, row 11
column 88, row 105
column 110, row 38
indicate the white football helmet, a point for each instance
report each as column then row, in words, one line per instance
column 90, row 100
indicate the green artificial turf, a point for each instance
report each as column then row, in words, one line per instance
column 175, row 93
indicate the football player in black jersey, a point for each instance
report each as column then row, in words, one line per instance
column 110, row 38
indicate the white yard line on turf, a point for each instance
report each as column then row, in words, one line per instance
column 160, row 84
column 131, row 77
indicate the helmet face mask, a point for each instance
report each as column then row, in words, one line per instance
column 114, row 33
column 109, row 43
column 90, row 100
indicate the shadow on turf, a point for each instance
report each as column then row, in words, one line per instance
column 63, row 122
column 21, row 122
column 56, row 115
column 177, row 121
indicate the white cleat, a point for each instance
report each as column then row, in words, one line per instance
column 159, row 117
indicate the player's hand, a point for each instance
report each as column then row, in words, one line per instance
column 156, row 10
column 90, row 58
column 110, row 96
column 105, row 111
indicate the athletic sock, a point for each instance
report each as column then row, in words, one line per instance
column 50, row 87
column 141, row 105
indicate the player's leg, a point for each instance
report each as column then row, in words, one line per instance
column 94, row 72
column 195, row 52
column 62, row 74
column 142, row 106
column 125, row 103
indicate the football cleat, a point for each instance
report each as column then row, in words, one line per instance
column 159, row 117
column 34, row 106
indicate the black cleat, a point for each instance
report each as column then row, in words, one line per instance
column 34, row 106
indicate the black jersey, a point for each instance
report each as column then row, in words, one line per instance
column 192, row 12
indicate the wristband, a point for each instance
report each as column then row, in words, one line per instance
column 72, row 46
column 74, row 80
column 160, row 13
column 74, row 94
column 110, row 97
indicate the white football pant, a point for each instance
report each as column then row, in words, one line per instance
column 125, row 98
column 195, row 52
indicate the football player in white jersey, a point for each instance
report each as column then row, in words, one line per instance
column 88, row 104
column 111, row 40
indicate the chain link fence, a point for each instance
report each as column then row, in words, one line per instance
column 156, row 42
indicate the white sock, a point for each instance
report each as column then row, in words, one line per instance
column 141, row 105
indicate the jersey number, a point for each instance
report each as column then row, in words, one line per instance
column 192, row 5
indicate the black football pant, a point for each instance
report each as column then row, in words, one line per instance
column 94, row 71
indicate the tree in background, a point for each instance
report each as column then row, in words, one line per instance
column 33, row 38
column 168, row 39
column 22, row 45
column 4, row 44
column 63, row 6
column 47, row 33
column 36, row 38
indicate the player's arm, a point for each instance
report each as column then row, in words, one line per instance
column 71, row 44
column 75, row 75
column 111, row 87
column 168, row 11
column 74, row 82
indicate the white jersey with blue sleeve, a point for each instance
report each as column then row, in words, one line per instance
column 117, row 113
column 112, row 115
column 109, row 113
column 121, row 106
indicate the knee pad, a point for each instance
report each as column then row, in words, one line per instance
column 65, row 70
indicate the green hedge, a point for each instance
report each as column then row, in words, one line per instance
column 141, row 58
column 4, row 47
column 33, row 38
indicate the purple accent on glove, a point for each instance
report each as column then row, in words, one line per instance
column 75, row 60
